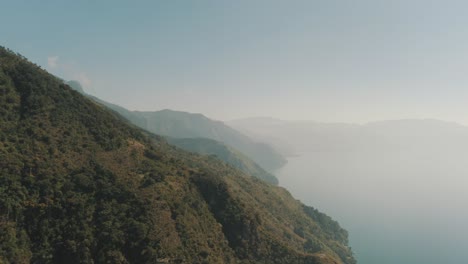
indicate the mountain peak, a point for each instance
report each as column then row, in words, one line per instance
column 76, row 85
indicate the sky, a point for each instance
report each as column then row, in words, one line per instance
column 330, row 60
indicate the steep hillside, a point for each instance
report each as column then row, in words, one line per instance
column 79, row 185
column 203, row 146
column 187, row 125
column 227, row 154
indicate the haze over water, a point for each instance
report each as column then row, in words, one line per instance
column 399, row 206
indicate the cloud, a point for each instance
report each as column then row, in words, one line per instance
column 68, row 71
column 83, row 79
column 52, row 61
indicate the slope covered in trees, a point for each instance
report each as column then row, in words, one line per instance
column 177, row 124
column 227, row 154
column 200, row 145
column 79, row 185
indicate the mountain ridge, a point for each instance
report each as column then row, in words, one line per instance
column 140, row 118
column 188, row 125
column 227, row 154
column 306, row 136
column 200, row 145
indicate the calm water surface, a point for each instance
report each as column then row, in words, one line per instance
column 399, row 207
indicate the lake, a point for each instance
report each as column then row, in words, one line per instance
column 399, row 206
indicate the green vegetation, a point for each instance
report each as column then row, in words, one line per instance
column 176, row 124
column 200, row 145
column 80, row 185
column 227, row 154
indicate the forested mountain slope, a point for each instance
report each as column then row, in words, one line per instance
column 79, row 185
column 200, row 145
column 227, row 154
column 179, row 124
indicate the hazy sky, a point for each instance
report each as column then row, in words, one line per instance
column 352, row 61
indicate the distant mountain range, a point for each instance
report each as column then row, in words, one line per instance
column 225, row 153
column 187, row 125
column 197, row 133
column 304, row 136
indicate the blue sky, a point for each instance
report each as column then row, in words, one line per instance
column 350, row 61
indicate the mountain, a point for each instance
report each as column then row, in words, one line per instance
column 199, row 145
column 178, row 124
column 302, row 136
column 80, row 185
column 226, row 154
column 76, row 85
column 409, row 134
